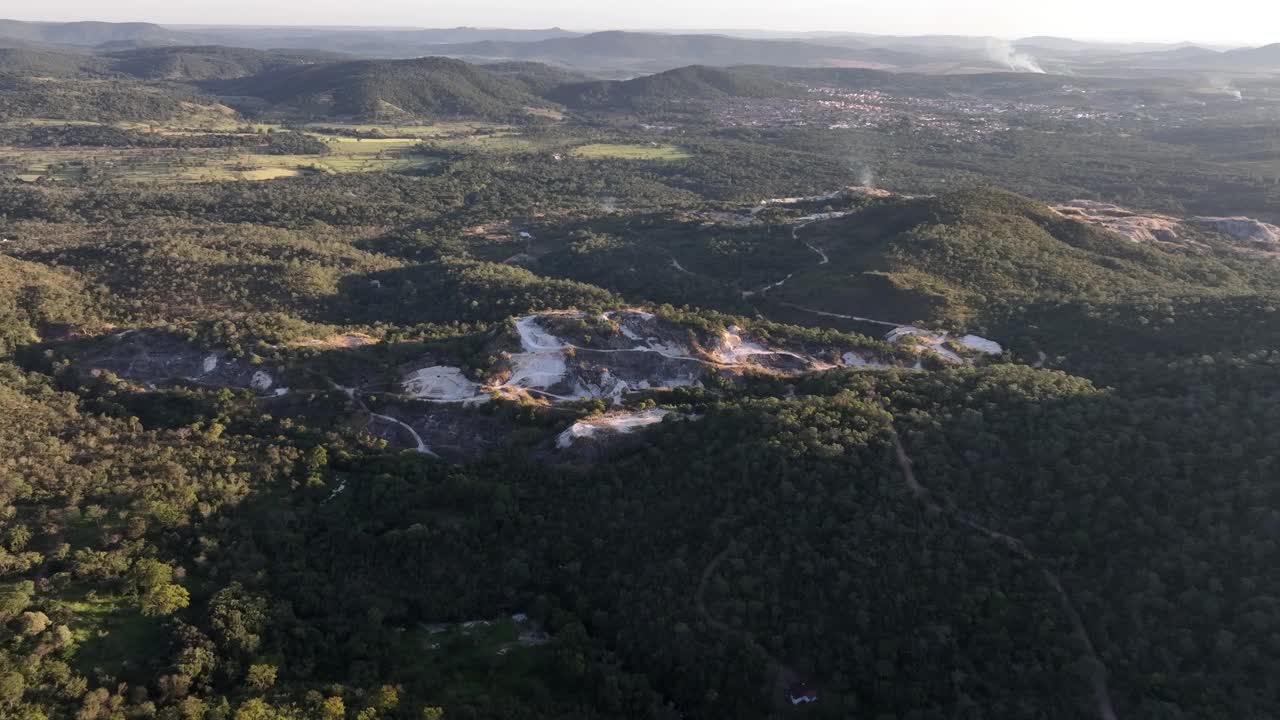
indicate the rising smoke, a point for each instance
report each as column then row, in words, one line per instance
column 1225, row 86
column 1003, row 53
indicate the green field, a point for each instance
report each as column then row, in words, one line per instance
column 108, row 631
column 432, row 130
column 631, row 152
column 393, row 153
column 197, row 165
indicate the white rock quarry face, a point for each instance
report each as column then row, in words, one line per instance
column 544, row 363
column 1243, row 228
column 261, row 381
column 934, row 341
column 631, row 323
column 537, row 370
column 441, row 383
column 1138, row 227
column 533, row 338
column 621, row 423
column 981, row 344
column 734, row 350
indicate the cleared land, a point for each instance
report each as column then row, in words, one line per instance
column 631, row 152
column 396, row 152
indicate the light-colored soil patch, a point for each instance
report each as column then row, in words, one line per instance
column 619, row 423
column 938, row 342
column 337, row 342
column 631, row 152
column 443, row 384
column 1242, row 229
column 1142, row 228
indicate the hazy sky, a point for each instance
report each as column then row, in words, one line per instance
column 1244, row 21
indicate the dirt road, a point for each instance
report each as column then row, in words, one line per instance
column 1098, row 674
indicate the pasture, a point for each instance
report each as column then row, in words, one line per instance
column 631, row 152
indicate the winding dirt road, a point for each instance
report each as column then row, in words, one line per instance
column 1098, row 674
column 422, row 446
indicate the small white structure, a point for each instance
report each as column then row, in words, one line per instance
column 802, row 694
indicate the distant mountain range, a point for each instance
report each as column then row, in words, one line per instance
column 651, row 52
column 373, row 43
column 620, row 54
column 211, row 62
column 93, row 34
column 177, row 63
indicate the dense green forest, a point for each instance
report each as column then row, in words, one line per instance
column 613, row 406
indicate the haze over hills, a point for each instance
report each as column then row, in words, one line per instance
column 210, row 62
column 92, row 34
column 622, row 53
column 432, row 87
column 688, row 84
column 372, row 43
column 33, row 62
column 178, row 63
column 652, row 52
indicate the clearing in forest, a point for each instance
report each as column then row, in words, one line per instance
column 632, row 152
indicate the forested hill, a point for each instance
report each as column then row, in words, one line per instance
column 977, row 254
column 45, row 64
column 210, row 62
column 430, row 87
column 692, row 84
column 180, row 64
column 93, row 34
column 660, row 52
column 538, row 78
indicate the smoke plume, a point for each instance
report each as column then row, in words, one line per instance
column 1002, row 52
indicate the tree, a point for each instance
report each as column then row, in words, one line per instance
column 12, row 685
column 33, row 623
column 148, row 574
column 256, row 709
column 15, row 599
column 333, row 709
column 261, row 677
column 165, row 600
column 386, row 697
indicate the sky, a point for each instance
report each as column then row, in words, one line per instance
column 1222, row 21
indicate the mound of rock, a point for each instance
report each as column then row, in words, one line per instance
column 611, row 424
column 946, row 346
column 1143, row 228
column 1242, row 229
column 440, row 383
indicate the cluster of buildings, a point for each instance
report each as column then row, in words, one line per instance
column 960, row 118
